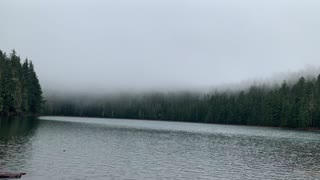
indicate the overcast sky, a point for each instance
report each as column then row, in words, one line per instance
column 145, row 44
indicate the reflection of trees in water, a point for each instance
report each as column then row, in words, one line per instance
column 15, row 145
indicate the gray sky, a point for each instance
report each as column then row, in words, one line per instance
column 143, row 44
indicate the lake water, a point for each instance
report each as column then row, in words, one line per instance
column 92, row 148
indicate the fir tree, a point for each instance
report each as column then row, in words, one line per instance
column 20, row 90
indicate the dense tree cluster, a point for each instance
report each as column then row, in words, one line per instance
column 20, row 90
column 296, row 105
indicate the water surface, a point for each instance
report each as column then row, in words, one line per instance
column 92, row 148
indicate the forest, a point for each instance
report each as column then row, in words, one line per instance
column 294, row 105
column 20, row 90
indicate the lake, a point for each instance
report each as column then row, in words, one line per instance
column 93, row 148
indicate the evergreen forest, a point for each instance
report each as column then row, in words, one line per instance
column 294, row 105
column 20, row 90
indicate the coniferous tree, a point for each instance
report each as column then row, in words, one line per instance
column 20, row 91
column 35, row 93
column 294, row 105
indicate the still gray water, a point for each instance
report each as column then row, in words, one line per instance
column 92, row 148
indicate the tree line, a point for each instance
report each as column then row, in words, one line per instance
column 20, row 90
column 295, row 105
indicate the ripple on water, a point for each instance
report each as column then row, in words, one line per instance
column 91, row 148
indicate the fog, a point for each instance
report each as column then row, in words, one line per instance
column 133, row 45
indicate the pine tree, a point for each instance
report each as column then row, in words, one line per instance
column 35, row 92
column 19, row 86
column 2, row 57
column 26, row 87
column 285, row 105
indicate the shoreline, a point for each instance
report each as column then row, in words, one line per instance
column 311, row 129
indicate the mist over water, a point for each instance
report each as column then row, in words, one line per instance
column 208, row 62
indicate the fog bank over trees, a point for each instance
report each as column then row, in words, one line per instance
column 293, row 103
column 137, row 45
column 103, row 89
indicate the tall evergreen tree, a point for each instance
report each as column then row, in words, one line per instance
column 35, row 93
column 20, row 90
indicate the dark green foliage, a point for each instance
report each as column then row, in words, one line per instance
column 20, row 91
column 295, row 106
